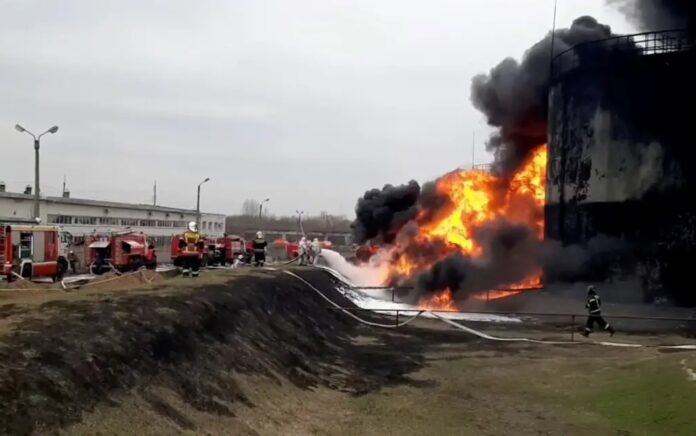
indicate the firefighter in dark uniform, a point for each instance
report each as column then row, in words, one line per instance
column 191, row 245
column 259, row 245
column 594, row 307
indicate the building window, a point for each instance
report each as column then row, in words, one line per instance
column 111, row 221
column 86, row 220
column 60, row 219
column 148, row 223
column 164, row 223
column 129, row 222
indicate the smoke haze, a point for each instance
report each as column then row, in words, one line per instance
column 512, row 95
column 654, row 15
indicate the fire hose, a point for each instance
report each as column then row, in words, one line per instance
column 140, row 271
column 479, row 333
column 352, row 315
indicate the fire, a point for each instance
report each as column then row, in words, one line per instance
column 440, row 301
column 476, row 197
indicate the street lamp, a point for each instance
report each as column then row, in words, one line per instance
column 261, row 207
column 299, row 220
column 198, row 203
column 37, row 145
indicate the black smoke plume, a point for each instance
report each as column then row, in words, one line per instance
column 654, row 15
column 513, row 95
column 381, row 213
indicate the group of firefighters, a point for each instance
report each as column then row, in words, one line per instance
column 192, row 243
column 309, row 252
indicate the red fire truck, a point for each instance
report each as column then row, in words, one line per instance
column 31, row 251
column 124, row 251
column 235, row 246
column 292, row 249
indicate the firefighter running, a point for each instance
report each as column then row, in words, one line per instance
column 594, row 307
column 191, row 246
column 259, row 245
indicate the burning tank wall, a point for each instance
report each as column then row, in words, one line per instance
column 622, row 163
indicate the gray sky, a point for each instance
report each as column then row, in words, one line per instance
column 327, row 98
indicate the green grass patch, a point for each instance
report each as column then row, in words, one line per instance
column 651, row 398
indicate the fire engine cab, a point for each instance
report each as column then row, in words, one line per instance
column 31, row 251
column 124, row 251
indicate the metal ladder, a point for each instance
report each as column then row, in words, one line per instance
column 2, row 246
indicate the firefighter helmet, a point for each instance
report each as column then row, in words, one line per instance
column 259, row 234
column 591, row 289
column 192, row 226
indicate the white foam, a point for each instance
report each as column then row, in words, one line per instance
column 357, row 278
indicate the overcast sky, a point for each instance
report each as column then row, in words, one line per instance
column 308, row 102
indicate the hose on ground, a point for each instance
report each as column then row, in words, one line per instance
column 478, row 333
column 352, row 315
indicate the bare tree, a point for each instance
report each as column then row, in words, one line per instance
column 250, row 207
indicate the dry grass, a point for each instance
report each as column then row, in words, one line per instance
column 465, row 388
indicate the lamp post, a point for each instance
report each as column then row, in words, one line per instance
column 261, row 208
column 37, row 146
column 299, row 220
column 198, row 203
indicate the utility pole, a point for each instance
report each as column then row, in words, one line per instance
column 299, row 221
column 154, row 194
column 473, row 148
column 261, row 208
column 63, row 193
column 553, row 41
column 198, row 203
column 37, row 146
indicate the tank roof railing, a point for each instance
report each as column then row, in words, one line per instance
column 593, row 53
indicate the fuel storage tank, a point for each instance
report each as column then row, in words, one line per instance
column 622, row 154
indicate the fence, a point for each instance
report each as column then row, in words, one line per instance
column 604, row 52
column 573, row 318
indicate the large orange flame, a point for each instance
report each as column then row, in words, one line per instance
column 477, row 197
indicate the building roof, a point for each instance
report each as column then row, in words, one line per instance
column 101, row 203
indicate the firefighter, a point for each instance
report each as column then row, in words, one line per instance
column 238, row 261
column 316, row 250
column 191, row 246
column 303, row 251
column 72, row 260
column 259, row 245
column 594, row 308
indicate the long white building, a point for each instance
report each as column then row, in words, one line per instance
column 81, row 216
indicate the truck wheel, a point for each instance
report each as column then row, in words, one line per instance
column 26, row 272
column 152, row 264
column 62, row 267
column 134, row 263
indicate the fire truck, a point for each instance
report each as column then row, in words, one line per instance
column 235, row 246
column 215, row 251
column 292, row 249
column 122, row 251
column 31, row 251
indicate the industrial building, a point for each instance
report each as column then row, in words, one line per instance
column 82, row 216
column 622, row 161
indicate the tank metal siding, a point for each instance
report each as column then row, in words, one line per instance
column 622, row 160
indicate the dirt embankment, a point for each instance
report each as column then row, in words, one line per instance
column 64, row 358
